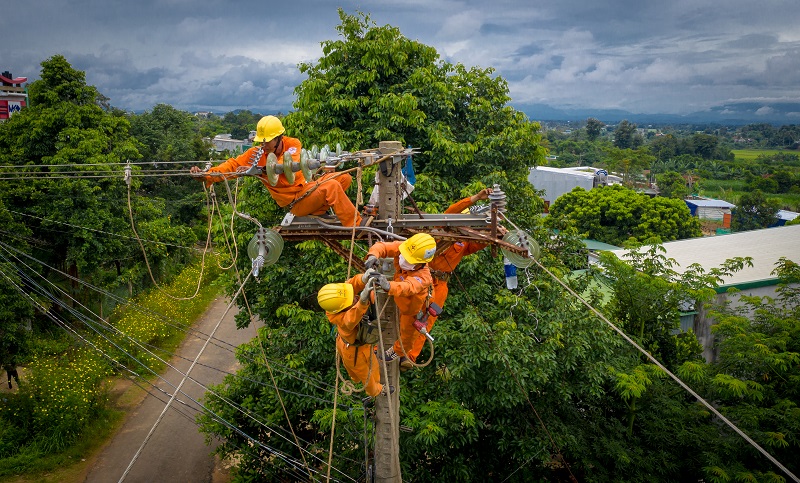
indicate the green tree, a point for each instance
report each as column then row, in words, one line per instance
column 664, row 147
column 754, row 211
column 618, row 215
column 373, row 84
column 594, row 128
column 625, row 136
column 79, row 194
column 168, row 136
column 672, row 185
column 703, row 145
column 15, row 309
column 754, row 381
column 629, row 162
column 460, row 405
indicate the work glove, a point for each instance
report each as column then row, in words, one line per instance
column 367, row 275
column 371, row 261
column 382, row 282
column 364, row 298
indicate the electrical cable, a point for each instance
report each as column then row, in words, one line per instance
column 316, row 383
column 134, row 163
column 147, row 438
column 214, row 415
column 100, row 231
column 89, row 322
column 671, row 375
column 144, row 254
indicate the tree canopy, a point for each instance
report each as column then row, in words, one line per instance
column 619, row 216
column 753, row 211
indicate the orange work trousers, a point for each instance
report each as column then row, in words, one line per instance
column 328, row 192
column 361, row 365
column 440, row 291
column 409, row 338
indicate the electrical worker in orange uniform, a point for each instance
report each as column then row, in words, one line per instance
column 359, row 360
column 409, row 286
column 302, row 197
column 443, row 265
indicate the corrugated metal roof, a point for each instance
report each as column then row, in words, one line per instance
column 765, row 247
column 713, row 203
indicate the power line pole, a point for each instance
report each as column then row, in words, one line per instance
column 387, row 409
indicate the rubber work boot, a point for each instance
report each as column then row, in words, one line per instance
column 405, row 364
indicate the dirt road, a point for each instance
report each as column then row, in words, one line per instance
column 176, row 452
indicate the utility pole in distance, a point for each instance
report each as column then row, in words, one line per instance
column 387, row 409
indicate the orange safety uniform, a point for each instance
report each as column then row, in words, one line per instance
column 441, row 268
column 328, row 191
column 360, row 361
column 410, row 291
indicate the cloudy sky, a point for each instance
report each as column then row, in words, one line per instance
column 674, row 57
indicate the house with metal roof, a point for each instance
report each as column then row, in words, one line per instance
column 765, row 247
column 708, row 209
column 785, row 216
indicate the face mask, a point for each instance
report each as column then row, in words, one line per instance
column 404, row 264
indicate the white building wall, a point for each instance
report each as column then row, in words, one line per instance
column 711, row 212
column 556, row 183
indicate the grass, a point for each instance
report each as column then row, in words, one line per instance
column 72, row 463
column 752, row 154
column 731, row 190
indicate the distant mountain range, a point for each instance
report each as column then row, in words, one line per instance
column 733, row 114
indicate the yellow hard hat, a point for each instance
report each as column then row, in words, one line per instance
column 268, row 128
column 335, row 297
column 420, row 248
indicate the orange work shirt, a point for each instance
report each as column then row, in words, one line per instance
column 447, row 260
column 347, row 321
column 409, row 287
column 283, row 192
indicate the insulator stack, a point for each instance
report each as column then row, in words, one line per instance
column 498, row 198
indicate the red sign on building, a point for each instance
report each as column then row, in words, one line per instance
column 12, row 95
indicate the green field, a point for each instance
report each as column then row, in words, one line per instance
column 752, row 154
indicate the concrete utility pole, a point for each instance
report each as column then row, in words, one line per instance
column 387, row 410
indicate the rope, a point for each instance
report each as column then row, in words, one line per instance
column 359, row 200
column 233, row 202
column 413, row 363
column 333, row 422
column 147, row 262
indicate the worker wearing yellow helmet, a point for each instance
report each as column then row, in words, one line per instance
column 442, row 267
column 409, row 286
column 302, row 197
column 345, row 310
